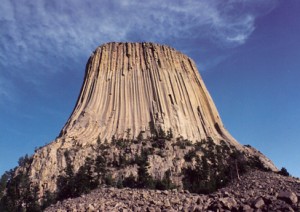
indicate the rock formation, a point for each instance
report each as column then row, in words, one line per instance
column 139, row 86
column 132, row 95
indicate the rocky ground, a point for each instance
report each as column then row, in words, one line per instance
column 256, row 191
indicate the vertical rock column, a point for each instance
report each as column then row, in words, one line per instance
column 138, row 85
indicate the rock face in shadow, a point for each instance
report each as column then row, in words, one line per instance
column 135, row 91
column 143, row 87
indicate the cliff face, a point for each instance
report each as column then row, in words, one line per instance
column 143, row 87
column 136, row 90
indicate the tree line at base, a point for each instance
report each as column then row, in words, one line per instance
column 210, row 167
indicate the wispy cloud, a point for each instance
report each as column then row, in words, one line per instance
column 34, row 34
column 6, row 90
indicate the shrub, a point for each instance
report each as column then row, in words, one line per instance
column 3, row 182
column 144, row 179
column 140, row 136
column 183, row 143
column 120, row 143
column 256, row 163
column 65, row 183
column 169, row 134
column 119, row 183
column 100, row 167
column 19, row 195
column 161, row 133
column 284, row 172
column 48, row 199
column 165, row 183
column 24, row 160
column 190, row 155
column 159, row 143
column 202, row 179
column 130, row 181
column 109, row 180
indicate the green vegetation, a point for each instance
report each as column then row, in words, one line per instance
column 182, row 143
column 130, row 181
column 73, row 185
column 96, row 172
column 16, row 192
column 188, row 157
column 144, row 179
column 208, row 167
column 210, row 171
column 284, row 172
column 166, row 182
column 215, row 165
column 3, row 182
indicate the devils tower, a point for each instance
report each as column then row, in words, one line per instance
column 143, row 115
column 139, row 86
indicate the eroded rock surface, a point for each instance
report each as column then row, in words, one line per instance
column 142, row 85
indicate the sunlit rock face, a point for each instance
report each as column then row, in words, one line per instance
column 143, row 87
column 133, row 89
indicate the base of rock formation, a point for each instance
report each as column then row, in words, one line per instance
column 162, row 153
column 255, row 191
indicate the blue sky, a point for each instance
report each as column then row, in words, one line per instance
column 247, row 51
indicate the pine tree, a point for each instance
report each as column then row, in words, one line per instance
column 3, row 182
column 83, row 180
column 65, row 183
column 144, row 179
column 100, row 169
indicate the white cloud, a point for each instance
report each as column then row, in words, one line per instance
column 35, row 33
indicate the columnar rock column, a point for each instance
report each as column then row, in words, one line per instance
column 143, row 87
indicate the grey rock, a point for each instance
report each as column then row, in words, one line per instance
column 167, row 203
column 165, row 192
column 230, row 198
column 288, row 196
column 199, row 201
column 258, row 203
column 90, row 208
column 228, row 202
column 247, row 208
column 151, row 209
